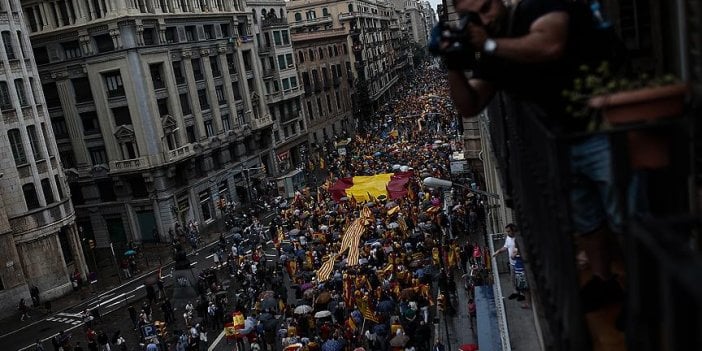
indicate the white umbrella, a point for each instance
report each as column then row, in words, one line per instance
column 322, row 314
column 302, row 309
column 404, row 168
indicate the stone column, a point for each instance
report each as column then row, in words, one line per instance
column 227, row 79
column 77, row 249
column 209, row 82
column 68, row 105
column 243, row 82
column 192, row 90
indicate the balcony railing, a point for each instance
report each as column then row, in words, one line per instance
column 262, row 122
column 180, row 153
column 273, row 22
column 131, row 165
column 312, row 22
column 662, row 268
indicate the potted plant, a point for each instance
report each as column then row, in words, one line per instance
column 608, row 100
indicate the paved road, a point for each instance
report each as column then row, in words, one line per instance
column 110, row 302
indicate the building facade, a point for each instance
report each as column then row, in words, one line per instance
column 39, row 240
column 283, row 90
column 415, row 22
column 158, row 109
column 370, row 53
column 323, row 61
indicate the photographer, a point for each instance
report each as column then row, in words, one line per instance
column 531, row 50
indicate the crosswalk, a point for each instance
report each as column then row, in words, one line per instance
column 66, row 318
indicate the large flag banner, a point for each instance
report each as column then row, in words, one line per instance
column 366, row 188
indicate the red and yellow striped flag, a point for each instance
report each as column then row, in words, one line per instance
column 326, row 269
column 365, row 309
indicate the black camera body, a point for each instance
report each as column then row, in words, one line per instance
column 453, row 42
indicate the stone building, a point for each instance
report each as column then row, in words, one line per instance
column 158, row 108
column 39, row 241
column 323, row 61
column 371, row 57
column 283, row 89
column 415, row 21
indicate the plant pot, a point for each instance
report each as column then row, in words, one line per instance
column 648, row 149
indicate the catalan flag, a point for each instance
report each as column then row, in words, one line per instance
column 327, row 267
column 366, row 310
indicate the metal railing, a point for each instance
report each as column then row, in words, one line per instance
column 499, row 300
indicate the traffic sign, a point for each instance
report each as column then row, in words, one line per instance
column 149, row 331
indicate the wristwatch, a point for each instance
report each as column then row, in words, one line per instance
column 489, row 46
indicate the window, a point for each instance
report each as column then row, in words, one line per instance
column 17, row 146
column 281, row 62
column 48, row 192
column 209, row 31
column 58, row 124
column 293, row 82
column 58, row 187
column 7, row 42
column 106, row 190
column 190, row 131
column 338, row 101
column 276, row 38
column 156, row 75
column 231, row 64
column 236, row 91
column 224, row 28
column 77, row 194
column 197, row 70
column 226, row 123
column 162, row 106
column 298, row 17
column 209, row 129
column 171, row 35
column 190, row 33
column 321, row 53
column 30, row 196
column 325, row 12
column 34, row 142
column 81, row 91
column 5, row 100
column 90, row 123
column 214, row 65
column 178, row 72
column 121, row 116
column 329, row 105
column 310, row 53
column 286, row 37
column 21, row 96
column 71, row 49
column 331, row 52
column 185, row 104
column 336, row 50
column 221, row 98
column 113, row 81
column 202, row 98
column 41, row 55
column 289, row 58
column 300, row 57
column 98, row 155
column 286, row 84
column 319, row 107
column 149, row 36
column 205, row 205
column 104, row 43
column 309, row 110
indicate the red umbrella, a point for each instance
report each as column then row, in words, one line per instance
column 468, row 347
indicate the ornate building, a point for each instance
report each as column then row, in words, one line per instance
column 158, row 108
column 39, row 241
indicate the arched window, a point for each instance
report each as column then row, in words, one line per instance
column 300, row 56
column 321, row 53
column 344, row 49
column 298, row 17
column 336, row 50
column 311, row 55
column 350, row 7
column 331, row 52
column 325, row 12
column 282, row 14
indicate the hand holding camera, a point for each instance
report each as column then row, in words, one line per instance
column 456, row 45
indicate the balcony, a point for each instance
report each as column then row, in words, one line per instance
column 131, row 165
column 180, row 153
column 260, row 123
column 312, row 22
column 273, row 22
column 319, row 34
column 662, row 267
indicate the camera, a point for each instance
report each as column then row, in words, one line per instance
column 453, row 42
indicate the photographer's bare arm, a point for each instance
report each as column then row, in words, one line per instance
column 546, row 41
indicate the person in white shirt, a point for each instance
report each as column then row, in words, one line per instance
column 510, row 247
